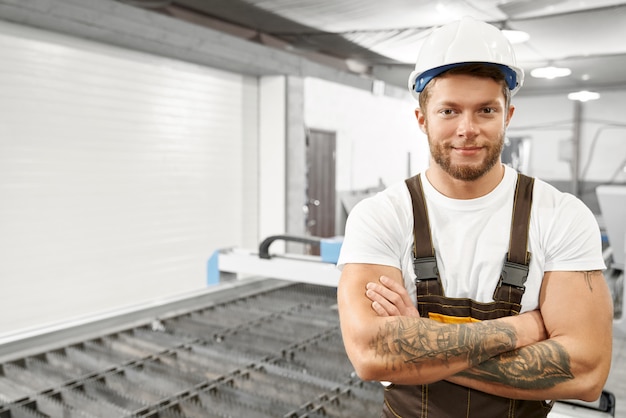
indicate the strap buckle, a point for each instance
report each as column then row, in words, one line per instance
column 425, row 268
column 514, row 274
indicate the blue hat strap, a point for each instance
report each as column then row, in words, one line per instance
column 510, row 76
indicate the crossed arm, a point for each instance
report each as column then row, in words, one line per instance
column 562, row 351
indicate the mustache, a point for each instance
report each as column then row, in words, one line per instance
column 465, row 144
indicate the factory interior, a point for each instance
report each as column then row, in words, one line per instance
column 176, row 176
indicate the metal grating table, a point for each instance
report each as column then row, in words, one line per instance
column 269, row 350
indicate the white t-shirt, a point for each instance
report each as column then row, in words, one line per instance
column 471, row 237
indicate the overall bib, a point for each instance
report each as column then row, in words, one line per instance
column 444, row 399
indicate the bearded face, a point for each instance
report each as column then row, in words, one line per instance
column 442, row 154
column 465, row 120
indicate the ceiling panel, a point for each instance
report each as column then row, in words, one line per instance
column 384, row 37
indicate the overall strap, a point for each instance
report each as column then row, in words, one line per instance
column 424, row 262
column 515, row 270
column 521, row 220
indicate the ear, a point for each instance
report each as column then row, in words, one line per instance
column 509, row 115
column 421, row 119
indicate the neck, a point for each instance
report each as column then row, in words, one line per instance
column 462, row 189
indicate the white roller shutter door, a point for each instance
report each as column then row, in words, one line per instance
column 120, row 174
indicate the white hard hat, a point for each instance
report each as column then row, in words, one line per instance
column 462, row 42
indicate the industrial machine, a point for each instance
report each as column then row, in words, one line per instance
column 252, row 346
column 256, row 347
column 612, row 202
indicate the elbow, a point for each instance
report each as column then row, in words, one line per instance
column 591, row 391
column 590, row 396
column 365, row 368
column 592, row 384
column 367, row 365
column 369, row 368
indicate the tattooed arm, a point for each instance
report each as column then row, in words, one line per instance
column 574, row 362
column 413, row 350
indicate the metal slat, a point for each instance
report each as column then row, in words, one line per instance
column 124, row 348
column 237, row 403
column 75, row 400
column 97, row 389
column 293, row 392
column 28, row 380
column 17, row 411
column 165, row 385
column 66, row 364
column 11, row 391
column 190, row 327
column 88, row 361
column 119, row 382
column 147, row 340
column 39, row 367
column 194, row 408
column 232, row 315
column 209, row 365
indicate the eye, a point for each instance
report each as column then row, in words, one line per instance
column 447, row 112
column 489, row 110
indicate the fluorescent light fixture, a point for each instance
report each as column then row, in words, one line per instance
column 550, row 72
column 515, row 36
column 583, row 96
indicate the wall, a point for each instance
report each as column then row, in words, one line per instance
column 272, row 154
column 549, row 122
column 604, row 138
column 378, row 139
column 120, row 174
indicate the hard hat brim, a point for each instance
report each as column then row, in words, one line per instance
column 510, row 75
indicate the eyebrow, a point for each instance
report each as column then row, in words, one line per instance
column 492, row 103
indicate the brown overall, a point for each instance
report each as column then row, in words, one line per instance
column 444, row 399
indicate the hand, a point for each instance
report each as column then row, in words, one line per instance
column 390, row 298
column 532, row 329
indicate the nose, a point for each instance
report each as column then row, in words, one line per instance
column 468, row 126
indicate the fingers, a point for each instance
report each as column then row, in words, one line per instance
column 381, row 302
column 378, row 308
column 390, row 298
column 398, row 288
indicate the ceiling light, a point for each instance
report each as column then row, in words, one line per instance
column 444, row 10
column 515, row 36
column 583, row 96
column 550, row 72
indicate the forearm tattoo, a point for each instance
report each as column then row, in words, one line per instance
column 538, row 366
column 410, row 342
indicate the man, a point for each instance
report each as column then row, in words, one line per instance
column 492, row 301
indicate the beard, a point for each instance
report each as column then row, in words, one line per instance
column 467, row 171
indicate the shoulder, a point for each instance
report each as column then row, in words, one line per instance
column 549, row 200
column 395, row 200
column 566, row 230
column 378, row 228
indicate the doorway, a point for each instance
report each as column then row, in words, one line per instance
column 320, row 205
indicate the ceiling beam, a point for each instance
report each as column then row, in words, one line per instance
column 115, row 23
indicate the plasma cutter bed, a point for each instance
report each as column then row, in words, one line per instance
column 251, row 347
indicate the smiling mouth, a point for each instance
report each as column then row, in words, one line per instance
column 467, row 150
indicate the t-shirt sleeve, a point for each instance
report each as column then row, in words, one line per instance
column 574, row 241
column 374, row 233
